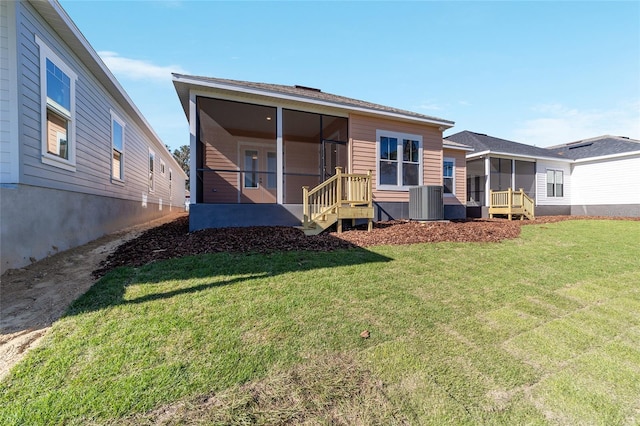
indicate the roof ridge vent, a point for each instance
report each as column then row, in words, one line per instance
column 581, row 145
column 311, row 89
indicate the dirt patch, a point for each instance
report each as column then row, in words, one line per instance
column 333, row 389
column 33, row 297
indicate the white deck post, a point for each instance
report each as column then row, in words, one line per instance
column 487, row 181
column 279, row 158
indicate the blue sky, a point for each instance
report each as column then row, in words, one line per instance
column 542, row 72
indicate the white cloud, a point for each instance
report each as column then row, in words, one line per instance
column 464, row 103
column 556, row 124
column 429, row 105
column 136, row 69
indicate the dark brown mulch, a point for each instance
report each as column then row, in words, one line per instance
column 173, row 239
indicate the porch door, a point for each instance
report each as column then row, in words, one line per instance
column 334, row 154
column 258, row 180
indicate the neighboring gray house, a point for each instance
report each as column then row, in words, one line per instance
column 599, row 176
column 77, row 158
column 605, row 175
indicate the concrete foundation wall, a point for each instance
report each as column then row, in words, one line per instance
column 619, row 210
column 37, row 222
column 553, row 210
column 202, row 216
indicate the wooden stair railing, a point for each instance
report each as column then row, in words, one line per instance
column 511, row 203
column 343, row 196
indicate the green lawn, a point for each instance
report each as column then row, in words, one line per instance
column 544, row 329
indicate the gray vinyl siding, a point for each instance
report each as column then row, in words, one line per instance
column 92, row 128
column 8, row 96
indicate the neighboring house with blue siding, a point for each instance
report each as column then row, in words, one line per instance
column 77, row 158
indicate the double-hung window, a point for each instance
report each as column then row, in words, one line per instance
column 117, row 147
column 152, row 180
column 399, row 160
column 555, row 183
column 448, row 176
column 57, row 91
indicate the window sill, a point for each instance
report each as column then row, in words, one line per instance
column 117, row 181
column 393, row 188
column 61, row 163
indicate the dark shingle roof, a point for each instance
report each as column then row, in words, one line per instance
column 596, row 147
column 311, row 94
column 481, row 142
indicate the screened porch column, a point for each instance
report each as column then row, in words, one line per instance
column 487, row 182
column 279, row 157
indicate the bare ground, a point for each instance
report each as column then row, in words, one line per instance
column 32, row 298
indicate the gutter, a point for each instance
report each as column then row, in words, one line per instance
column 528, row 157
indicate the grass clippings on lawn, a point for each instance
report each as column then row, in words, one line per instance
column 541, row 329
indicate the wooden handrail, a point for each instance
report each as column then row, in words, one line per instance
column 342, row 188
column 511, row 202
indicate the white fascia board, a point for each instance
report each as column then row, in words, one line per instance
column 608, row 157
column 277, row 95
column 102, row 73
column 477, row 154
column 518, row 156
column 458, row 148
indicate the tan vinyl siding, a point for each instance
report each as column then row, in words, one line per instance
column 460, row 177
column 362, row 135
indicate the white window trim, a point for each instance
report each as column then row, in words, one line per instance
column 546, row 181
column 151, row 181
column 50, row 159
column 120, row 121
column 453, row 160
column 163, row 167
column 399, row 136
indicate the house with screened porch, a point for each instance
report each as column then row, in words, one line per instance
column 267, row 154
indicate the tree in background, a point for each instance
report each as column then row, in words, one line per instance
column 182, row 156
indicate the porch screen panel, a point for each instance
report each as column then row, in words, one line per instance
column 500, row 174
column 226, row 130
column 475, row 182
column 302, row 146
column 526, row 177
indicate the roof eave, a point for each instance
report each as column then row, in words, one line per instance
column 73, row 37
column 443, row 124
column 458, row 148
column 608, row 157
column 528, row 157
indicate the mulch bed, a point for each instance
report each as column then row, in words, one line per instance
column 173, row 239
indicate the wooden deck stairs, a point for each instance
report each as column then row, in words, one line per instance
column 343, row 196
column 512, row 204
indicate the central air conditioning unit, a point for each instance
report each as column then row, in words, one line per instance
column 426, row 203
